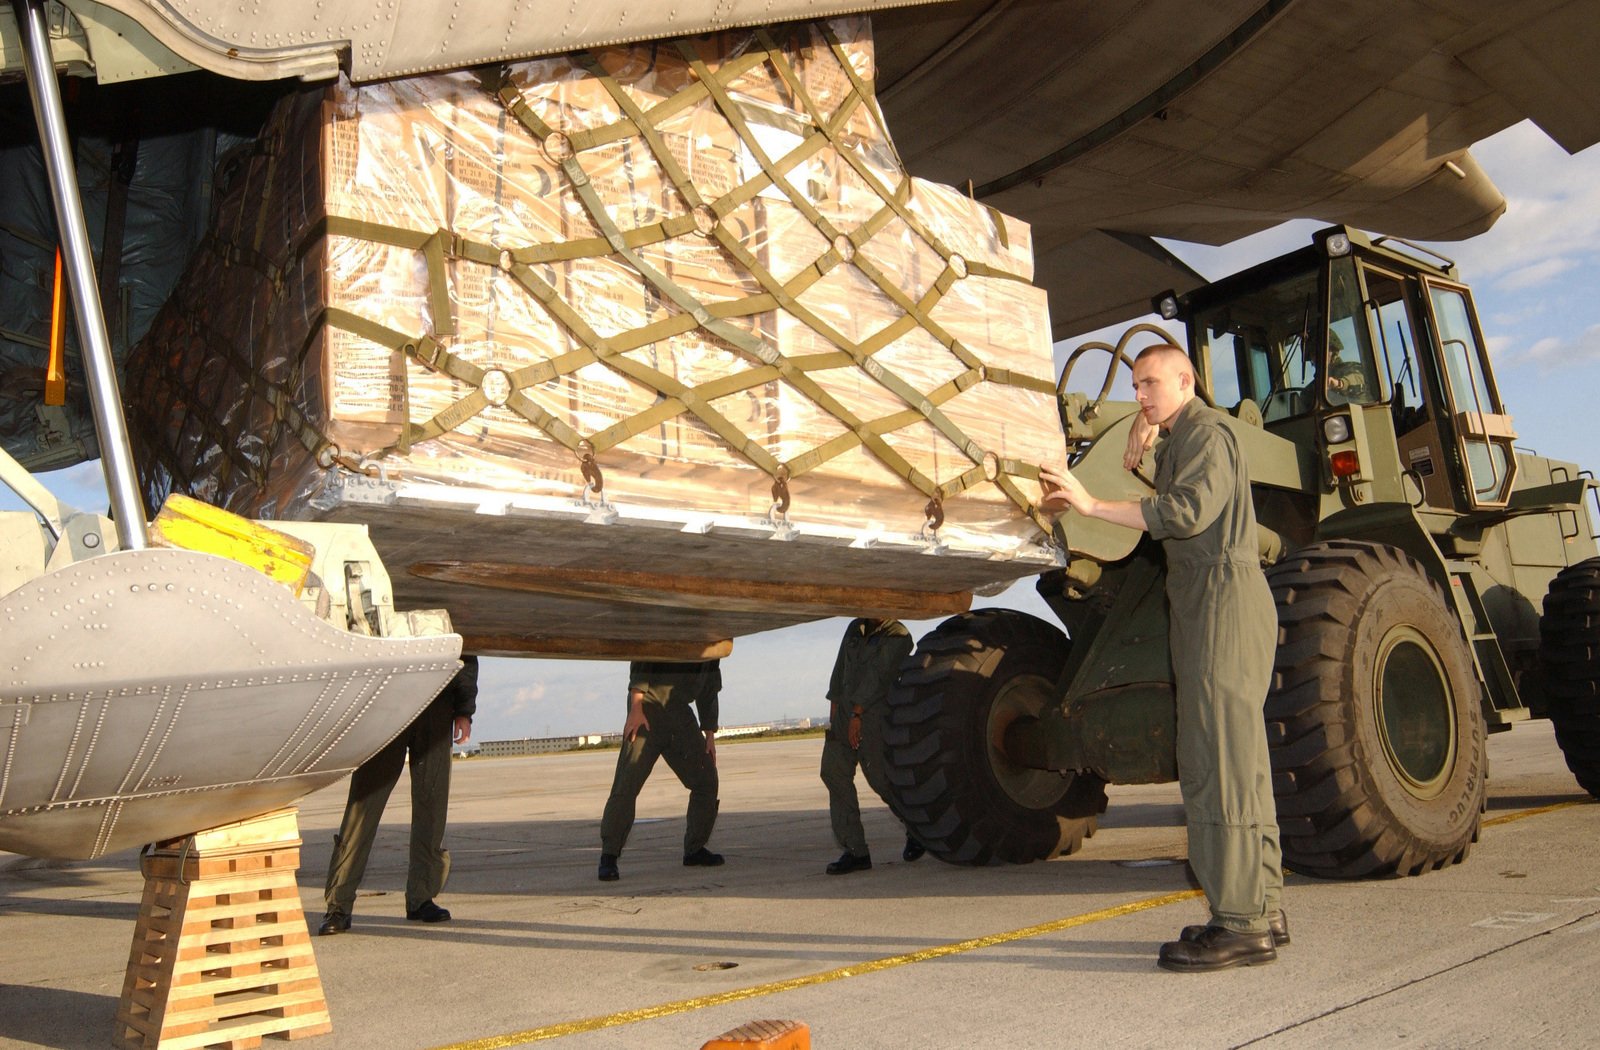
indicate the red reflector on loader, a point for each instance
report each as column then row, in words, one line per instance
column 1344, row 464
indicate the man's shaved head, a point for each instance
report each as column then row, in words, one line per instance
column 1167, row 354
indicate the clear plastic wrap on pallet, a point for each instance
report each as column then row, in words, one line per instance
column 699, row 261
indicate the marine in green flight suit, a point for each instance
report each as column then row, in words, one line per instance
column 660, row 724
column 1223, row 633
column 869, row 657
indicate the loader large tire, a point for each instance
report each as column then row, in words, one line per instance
column 953, row 785
column 1569, row 656
column 1374, row 720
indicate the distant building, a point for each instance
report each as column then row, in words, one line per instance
column 728, row 731
column 538, row 745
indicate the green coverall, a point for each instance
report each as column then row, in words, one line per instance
column 865, row 669
column 1223, row 634
column 427, row 740
column 673, row 732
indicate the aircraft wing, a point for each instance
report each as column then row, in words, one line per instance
column 374, row 39
column 1105, row 125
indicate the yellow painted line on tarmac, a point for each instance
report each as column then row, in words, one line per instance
column 1506, row 818
column 648, row 1013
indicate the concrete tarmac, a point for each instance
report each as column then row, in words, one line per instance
column 1491, row 953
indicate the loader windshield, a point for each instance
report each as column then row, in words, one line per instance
column 1257, row 346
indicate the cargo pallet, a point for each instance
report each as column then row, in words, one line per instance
column 221, row 954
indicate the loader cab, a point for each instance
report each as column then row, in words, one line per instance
column 1371, row 353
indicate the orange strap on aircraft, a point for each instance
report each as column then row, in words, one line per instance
column 55, row 373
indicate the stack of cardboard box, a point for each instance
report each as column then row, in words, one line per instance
column 781, row 274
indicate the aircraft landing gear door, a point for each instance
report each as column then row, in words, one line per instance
column 1483, row 430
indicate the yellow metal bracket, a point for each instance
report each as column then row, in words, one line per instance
column 189, row 524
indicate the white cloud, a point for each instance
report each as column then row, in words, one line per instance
column 1553, row 351
column 1536, row 274
column 526, row 697
column 1522, row 312
column 522, row 698
column 1499, row 345
column 1552, row 208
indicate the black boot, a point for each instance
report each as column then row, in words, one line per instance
column 1217, row 948
column 849, row 862
column 608, row 868
column 428, row 911
column 335, row 921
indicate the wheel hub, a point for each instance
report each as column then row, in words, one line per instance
column 1024, row 696
column 1416, row 719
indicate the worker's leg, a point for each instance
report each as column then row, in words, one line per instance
column 429, row 747
column 370, row 785
column 1223, row 767
column 685, row 752
column 844, row 807
column 635, row 760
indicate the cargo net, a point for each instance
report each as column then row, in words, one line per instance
column 687, row 273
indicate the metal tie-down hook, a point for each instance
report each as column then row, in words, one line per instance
column 780, row 495
column 595, row 481
column 778, row 513
column 601, row 512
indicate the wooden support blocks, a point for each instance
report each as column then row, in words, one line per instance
column 221, row 955
column 764, row 1035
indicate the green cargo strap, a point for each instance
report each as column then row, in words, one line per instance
column 1020, row 380
column 273, row 154
column 776, row 173
column 999, row 225
column 431, row 354
column 861, row 89
column 435, row 247
column 426, row 350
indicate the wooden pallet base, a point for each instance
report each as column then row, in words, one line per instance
column 221, row 954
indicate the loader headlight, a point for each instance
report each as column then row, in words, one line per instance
column 1336, row 429
column 1166, row 305
column 1336, row 245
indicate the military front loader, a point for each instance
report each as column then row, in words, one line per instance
column 1409, row 546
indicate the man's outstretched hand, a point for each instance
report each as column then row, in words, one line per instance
column 1062, row 491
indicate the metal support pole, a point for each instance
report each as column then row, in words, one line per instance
column 116, row 454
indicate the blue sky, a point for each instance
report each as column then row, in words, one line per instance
column 1534, row 278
